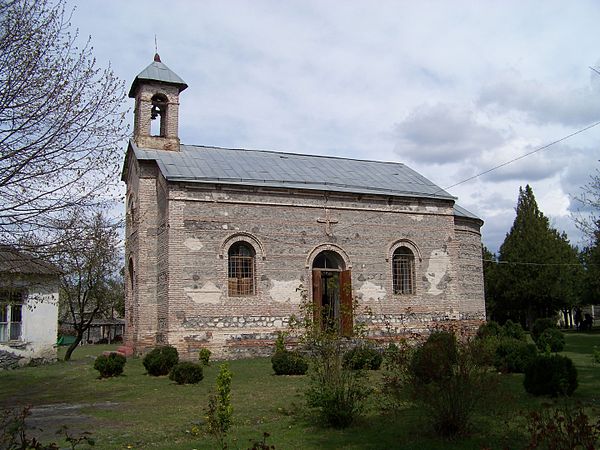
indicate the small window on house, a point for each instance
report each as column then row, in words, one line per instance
column 241, row 270
column 11, row 315
column 403, row 271
column 158, row 111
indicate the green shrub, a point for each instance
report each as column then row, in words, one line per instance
column 204, row 356
column 186, row 373
column 596, row 355
column 489, row 329
column 563, row 426
column 513, row 330
column 363, row 357
column 540, row 325
column 513, row 355
column 435, row 358
column 110, row 365
column 551, row 375
column 289, row 363
column 396, row 376
column 450, row 401
column 280, row 342
column 160, row 360
column 336, row 392
column 551, row 339
column 219, row 413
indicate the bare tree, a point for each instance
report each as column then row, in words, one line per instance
column 61, row 121
column 88, row 255
column 588, row 221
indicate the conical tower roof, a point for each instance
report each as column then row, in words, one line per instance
column 157, row 71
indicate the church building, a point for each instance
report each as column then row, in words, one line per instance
column 223, row 245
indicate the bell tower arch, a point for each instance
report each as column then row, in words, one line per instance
column 156, row 114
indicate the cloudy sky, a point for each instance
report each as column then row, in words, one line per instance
column 451, row 89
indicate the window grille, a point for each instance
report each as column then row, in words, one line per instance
column 403, row 271
column 241, row 270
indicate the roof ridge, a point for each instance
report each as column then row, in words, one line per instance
column 278, row 152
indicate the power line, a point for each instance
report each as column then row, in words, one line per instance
column 539, row 149
column 517, row 263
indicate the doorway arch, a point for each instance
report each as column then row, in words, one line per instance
column 332, row 293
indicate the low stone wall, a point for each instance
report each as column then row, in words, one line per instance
column 248, row 342
column 10, row 360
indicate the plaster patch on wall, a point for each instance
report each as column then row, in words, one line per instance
column 285, row 291
column 439, row 261
column 209, row 293
column 193, row 244
column 431, row 208
column 224, row 226
column 371, row 291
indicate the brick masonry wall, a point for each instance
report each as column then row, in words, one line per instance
column 142, row 117
column 192, row 309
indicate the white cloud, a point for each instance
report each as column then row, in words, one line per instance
column 444, row 133
column 542, row 103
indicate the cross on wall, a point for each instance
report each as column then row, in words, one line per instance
column 328, row 221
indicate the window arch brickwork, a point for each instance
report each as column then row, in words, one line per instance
column 243, row 256
column 404, row 257
column 241, row 270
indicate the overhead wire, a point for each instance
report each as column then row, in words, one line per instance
column 539, row 149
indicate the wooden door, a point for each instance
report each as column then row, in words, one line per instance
column 317, row 295
column 346, row 302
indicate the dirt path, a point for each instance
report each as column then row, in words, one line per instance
column 45, row 420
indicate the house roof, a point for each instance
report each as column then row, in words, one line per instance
column 202, row 164
column 14, row 261
column 157, row 71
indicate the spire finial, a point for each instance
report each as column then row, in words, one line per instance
column 156, row 56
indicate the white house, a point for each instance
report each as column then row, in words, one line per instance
column 28, row 309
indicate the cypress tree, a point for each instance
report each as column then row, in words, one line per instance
column 534, row 277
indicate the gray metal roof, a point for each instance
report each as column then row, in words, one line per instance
column 459, row 211
column 288, row 170
column 157, row 71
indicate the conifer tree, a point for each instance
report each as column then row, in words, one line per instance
column 538, row 270
column 591, row 261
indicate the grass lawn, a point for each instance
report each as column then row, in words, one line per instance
column 139, row 411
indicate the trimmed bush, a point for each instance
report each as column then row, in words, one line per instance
column 551, row 339
column 110, row 365
column 186, row 373
column 160, row 360
column 289, row 363
column 204, row 356
column 513, row 355
column 489, row 329
column 540, row 325
column 513, row 330
column 551, row 375
column 363, row 357
column 433, row 361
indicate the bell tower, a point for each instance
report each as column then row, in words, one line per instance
column 156, row 115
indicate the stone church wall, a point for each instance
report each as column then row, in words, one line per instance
column 196, row 224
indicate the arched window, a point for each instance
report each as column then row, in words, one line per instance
column 403, row 271
column 241, row 265
column 159, row 109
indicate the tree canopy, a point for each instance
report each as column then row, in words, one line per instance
column 61, row 121
column 91, row 286
column 538, row 271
